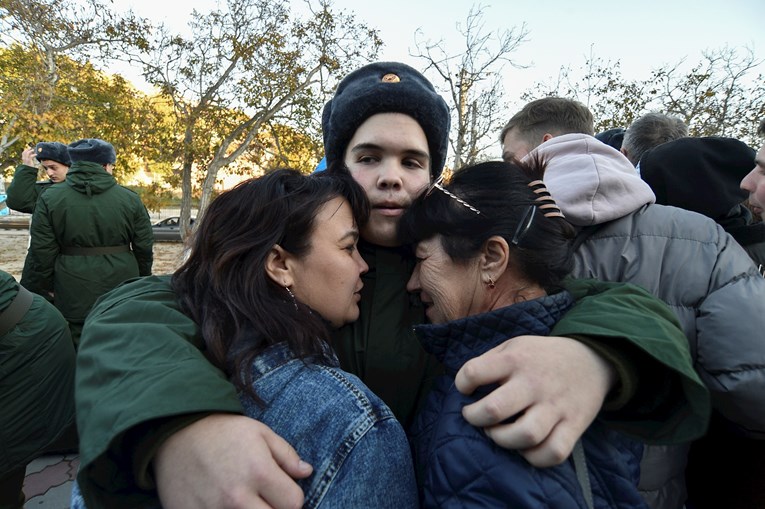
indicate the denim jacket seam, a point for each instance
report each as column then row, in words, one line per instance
column 356, row 431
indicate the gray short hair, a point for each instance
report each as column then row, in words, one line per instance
column 650, row 130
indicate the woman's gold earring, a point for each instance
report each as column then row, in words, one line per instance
column 491, row 283
column 294, row 300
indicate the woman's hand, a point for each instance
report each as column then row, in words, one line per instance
column 553, row 386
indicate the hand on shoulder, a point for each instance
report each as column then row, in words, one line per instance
column 552, row 386
column 228, row 461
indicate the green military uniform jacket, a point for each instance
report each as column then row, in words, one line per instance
column 88, row 235
column 24, row 189
column 23, row 192
column 36, row 380
column 147, row 377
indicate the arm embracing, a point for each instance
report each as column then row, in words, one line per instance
column 138, row 363
column 664, row 400
column 617, row 339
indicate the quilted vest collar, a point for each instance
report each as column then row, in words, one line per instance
column 458, row 341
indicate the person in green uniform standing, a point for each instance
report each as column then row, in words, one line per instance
column 36, row 385
column 148, row 401
column 24, row 189
column 88, row 234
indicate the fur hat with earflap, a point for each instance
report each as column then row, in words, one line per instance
column 92, row 150
column 386, row 87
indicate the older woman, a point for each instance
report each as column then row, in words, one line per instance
column 492, row 251
column 272, row 268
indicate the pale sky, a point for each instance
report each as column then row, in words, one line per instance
column 642, row 34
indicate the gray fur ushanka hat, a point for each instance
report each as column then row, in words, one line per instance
column 92, row 150
column 386, row 87
column 53, row 151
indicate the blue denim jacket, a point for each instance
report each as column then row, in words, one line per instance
column 359, row 451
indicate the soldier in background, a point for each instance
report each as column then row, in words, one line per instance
column 24, row 190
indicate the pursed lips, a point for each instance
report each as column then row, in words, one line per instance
column 389, row 208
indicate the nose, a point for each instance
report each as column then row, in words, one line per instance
column 390, row 176
column 363, row 267
column 413, row 285
column 747, row 183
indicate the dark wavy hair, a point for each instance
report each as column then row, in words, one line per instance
column 223, row 285
column 500, row 191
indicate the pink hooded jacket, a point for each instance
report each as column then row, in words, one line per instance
column 592, row 182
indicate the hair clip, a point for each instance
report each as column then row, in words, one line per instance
column 545, row 199
column 524, row 225
column 437, row 185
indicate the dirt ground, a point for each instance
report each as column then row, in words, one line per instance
column 14, row 243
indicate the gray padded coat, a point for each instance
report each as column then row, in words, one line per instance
column 685, row 259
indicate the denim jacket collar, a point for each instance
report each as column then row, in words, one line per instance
column 276, row 356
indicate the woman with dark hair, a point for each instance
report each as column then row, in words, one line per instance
column 274, row 265
column 492, row 251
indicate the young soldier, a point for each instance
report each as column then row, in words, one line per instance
column 25, row 189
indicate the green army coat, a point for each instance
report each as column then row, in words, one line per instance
column 36, row 380
column 88, row 235
column 23, row 192
column 138, row 381
column 24, row 189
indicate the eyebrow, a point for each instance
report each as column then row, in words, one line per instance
column 373, row 146
column 353, row 233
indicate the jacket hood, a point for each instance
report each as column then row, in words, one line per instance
column 89, row 178
column 592, row 182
